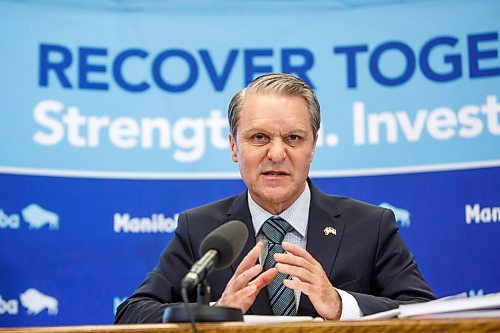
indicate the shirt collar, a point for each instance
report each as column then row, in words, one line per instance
column 297, row 214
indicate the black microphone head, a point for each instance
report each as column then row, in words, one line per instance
column 228, row 240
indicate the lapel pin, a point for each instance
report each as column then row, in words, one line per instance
column 330, row 231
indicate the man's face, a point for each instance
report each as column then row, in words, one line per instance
column 274, row 148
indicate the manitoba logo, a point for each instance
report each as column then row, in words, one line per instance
column 157, row 223
column 35, row 302
column 37, row 217
column 402, row 215
column 34, row 215
column 8, row 306
column 476, row 214
column 10, row 221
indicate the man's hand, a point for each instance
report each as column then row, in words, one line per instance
column 313, row 280
column 241, row 290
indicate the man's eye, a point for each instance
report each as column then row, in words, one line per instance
column 259, row 138
column 293, row 139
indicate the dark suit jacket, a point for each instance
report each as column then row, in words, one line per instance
column 367, row 258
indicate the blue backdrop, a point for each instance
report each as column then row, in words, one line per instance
column 113, row 121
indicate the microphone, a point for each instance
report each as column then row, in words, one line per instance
column 218, row 250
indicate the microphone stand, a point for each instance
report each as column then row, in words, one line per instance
column 200, row 311
column 203, row 293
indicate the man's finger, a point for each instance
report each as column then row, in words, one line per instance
column 265, row 278
column 248, row 291
column 299, row 272
column 298, row 251
column 294, row 260
column 301, row 286
column 245, row 277
column 250, row 259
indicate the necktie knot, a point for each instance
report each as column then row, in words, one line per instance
column 275, row 228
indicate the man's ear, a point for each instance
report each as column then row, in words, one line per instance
column 232, row 145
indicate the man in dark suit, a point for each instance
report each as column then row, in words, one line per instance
column 308, row 253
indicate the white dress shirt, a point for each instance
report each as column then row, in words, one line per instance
column 297, row 216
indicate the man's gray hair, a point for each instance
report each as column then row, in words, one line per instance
column 275, row 84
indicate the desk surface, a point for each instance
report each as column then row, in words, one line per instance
column 489, row 325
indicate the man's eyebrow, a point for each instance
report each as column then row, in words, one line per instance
column 260, row 129
column 255, row 129
column 298, row 130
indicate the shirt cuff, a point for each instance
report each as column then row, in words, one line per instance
column 350, row 307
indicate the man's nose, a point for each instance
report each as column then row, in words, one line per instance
column 276, row 151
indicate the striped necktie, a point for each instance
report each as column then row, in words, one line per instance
column 282, row 298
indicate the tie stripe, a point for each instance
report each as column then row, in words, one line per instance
column 282, row 299
column 274, row 233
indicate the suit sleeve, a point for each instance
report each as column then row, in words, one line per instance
column 161, row 286
column 396, row 279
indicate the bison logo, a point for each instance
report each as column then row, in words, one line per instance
column 37, row 217
column 402, row 215
column 35, row 302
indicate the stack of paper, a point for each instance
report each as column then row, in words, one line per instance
column 484, row 306
column 456, row 306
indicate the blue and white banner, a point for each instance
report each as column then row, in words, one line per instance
column 114, row 117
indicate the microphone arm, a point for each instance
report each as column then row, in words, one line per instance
column 200, row 269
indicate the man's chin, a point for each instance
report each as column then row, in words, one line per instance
column 275, row 197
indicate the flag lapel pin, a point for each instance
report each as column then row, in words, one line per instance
column 330, row 231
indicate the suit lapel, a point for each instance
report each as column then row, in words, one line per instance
column 240, row 211
column 323, row 216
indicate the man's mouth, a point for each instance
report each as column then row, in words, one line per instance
column 275, row 173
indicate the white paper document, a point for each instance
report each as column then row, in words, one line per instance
column 456, row 306
column 278, row 319
column 381, row 315
column 486, row 302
